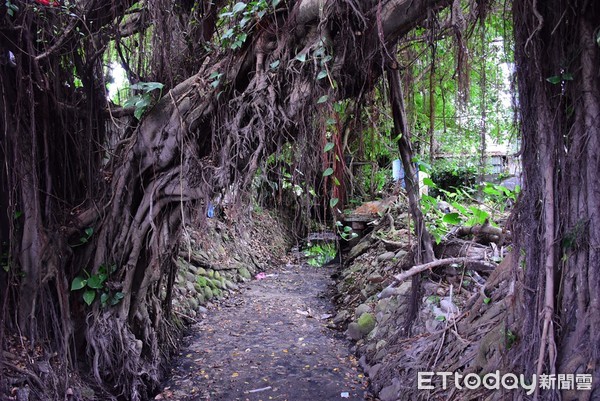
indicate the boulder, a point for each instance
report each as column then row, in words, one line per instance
column 384, row 257
column 366, row 323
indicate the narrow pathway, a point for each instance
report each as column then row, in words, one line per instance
column 271, row 342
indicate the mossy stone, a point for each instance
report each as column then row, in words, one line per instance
column 366, row 323
column 201, row 281
column 211, row 273
column 244, row 273
column 201, row 271
column 208, row 293
column 200, row 298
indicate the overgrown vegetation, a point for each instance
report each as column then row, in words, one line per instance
column 295, row 97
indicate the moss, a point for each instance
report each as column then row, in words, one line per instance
column 244, row 273
column 366, row 323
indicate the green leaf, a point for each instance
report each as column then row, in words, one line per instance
column 89, row 231
column 330, row 121
column 487, row 300
column 78, row 283
column 228, row 33
column 441, row 318
column 480, row 215
column 276, row 3
column 328, row 147
column 274, row 64
column 328, row 172
column 322, row 74
column 490, row 190
column 131, row 101
column 301, row 57
column 554, row 79
column 18, row 214
column 451, row 218
column 322, row 99
column 238, row 7
column 96, row 281
column 333, row 202
column 424, row 167
column 147, row 86
column 89, row 296
column 104, row 298
column 116, row 298
column 336, row 181
column 429, row 182
column 244, row 21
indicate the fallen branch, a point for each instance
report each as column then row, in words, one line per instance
column 443, row 262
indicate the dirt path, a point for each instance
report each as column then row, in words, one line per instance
column 271, row 342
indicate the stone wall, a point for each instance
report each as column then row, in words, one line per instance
column 215, row 258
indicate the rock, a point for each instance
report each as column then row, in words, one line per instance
column 231, row 285
column 380, row 344
column 375, row 278
column 211, row 273
column 190, row 287
column 193, row 303
column 362, row 308
column 382, row 305
column 341, row 317
column 189, row 276
column 192, row 269
column 360, row 248
column 354, row 331
column 200, row 298
column 391, row 392
column 385, row 317
column 366, row 323
column 384, row 257
column 244, row 273
column 201, row 271
column 400, row 254
column 202, row 310
column 372, row 371
column 448, row 306
column 208, row 293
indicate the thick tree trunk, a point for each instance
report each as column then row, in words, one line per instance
column 557, row 58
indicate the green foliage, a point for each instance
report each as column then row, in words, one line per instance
column 345, row 231
column 451, row 174
column 142, row 101
column 95, row 284
column 84, row 239
column 11, row 8
column 319, row 254
column 241, row 18
column 468, row 212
